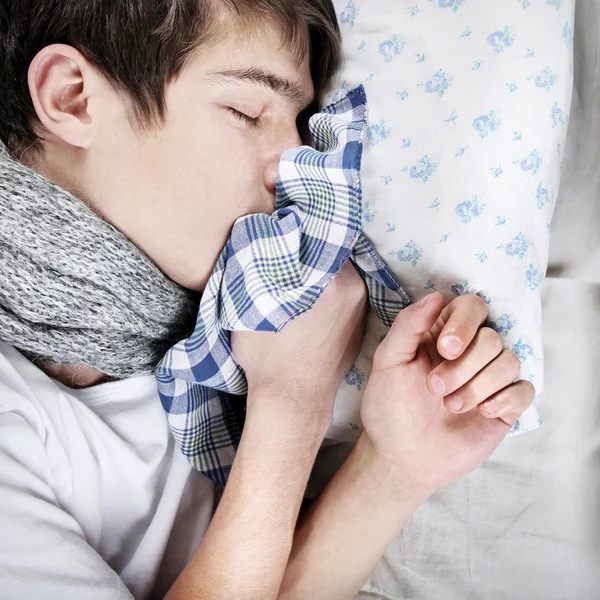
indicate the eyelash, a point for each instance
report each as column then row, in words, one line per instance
column 253, row 121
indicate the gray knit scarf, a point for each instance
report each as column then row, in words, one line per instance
column 74, row 290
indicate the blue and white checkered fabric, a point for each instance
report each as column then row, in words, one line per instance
column 273, row 269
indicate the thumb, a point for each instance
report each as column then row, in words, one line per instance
column 402, row 342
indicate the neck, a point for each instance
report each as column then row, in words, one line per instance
column 106, row 308
column 75, row 376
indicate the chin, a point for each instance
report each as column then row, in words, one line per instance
column 193, row 276
column 191, row 283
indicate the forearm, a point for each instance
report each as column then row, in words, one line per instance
column 348, row 529
column 246, row 549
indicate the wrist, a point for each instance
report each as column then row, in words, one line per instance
column 278, row 432
column 291, row 412
column 399, row 483
column 349, row 527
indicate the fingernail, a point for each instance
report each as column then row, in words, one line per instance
column 490, row 407
column 453, row 402
column 452, row 345
column 421, row 303
column 437, row 385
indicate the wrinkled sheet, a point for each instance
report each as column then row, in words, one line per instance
column 526, row 525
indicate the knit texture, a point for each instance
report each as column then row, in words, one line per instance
column 74, row 289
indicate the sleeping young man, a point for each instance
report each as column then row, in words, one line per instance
column 167, row 119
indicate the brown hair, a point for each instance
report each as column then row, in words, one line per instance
column 142, row 45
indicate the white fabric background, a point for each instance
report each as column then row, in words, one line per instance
column 526, row 526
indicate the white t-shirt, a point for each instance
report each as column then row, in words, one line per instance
column 96, row 501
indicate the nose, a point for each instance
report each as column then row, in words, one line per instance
column 273, row 155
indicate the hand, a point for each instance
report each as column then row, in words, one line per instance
column 301, row 367
column 441, row 396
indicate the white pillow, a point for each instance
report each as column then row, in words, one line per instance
column 468, row 103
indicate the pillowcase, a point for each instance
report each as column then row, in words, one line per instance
column 469, row 105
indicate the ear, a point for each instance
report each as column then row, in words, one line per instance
column 59, row 84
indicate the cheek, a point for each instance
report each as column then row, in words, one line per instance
column 211, row 190
column 219, row 175
column 188, row 182
column 213, row 163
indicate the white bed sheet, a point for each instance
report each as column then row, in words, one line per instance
column 527, row 524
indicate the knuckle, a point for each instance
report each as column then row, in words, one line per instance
column 359, row 285
column 346, row 289
column 529, row 391
column 491, row 339
column 330, row 293
column 349, row 276
column 358, row 289
column 514, row 364
column 474, row 302
column 472, row 394
column 518, row 396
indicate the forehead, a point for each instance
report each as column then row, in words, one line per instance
column 260, row 53
column 293, row 36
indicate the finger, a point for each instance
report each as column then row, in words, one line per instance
column 510, row 403
column 497, row 375
column 452, row 375
column 402, row 342
column 458, row 324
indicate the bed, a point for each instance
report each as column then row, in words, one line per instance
column 526, row 525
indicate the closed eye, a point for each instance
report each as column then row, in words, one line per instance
column 240, row 116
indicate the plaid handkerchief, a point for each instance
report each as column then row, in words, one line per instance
column 273, row 269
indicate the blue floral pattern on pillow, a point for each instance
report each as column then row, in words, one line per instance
column 468, row 112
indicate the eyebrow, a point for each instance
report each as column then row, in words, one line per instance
column 289, row 90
